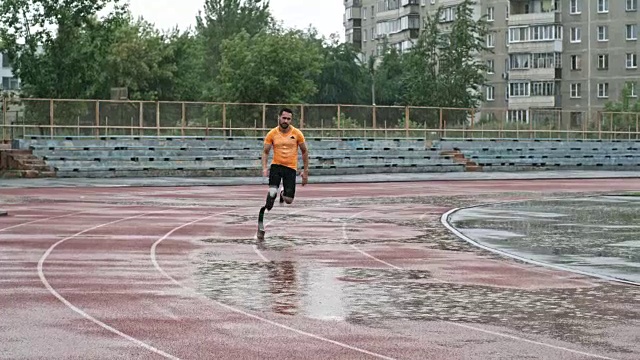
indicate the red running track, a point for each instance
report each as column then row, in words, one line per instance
column 349, row 271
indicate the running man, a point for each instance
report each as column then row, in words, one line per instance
column 285, row 140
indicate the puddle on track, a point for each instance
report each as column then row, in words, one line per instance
column 598, row 235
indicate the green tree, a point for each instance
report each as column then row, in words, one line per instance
column 48, row 47
column 187, row 53
column 421, row 78
column 388, row 76
column 621, row 115
column 462, row 72
column 141, row 60
column 343, row 79
column 274, row 67
column 224, row 19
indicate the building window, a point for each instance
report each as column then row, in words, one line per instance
column 491, row 40
column 631, row 88
column 518, row 116
column 9, row 83
column 632, row 5
column 519, row 89
column 575, row 91
column 632, row 32
column 519, row 61
column 546, row 61
column 535, row 33
column 603, row 6
column 491, row 13
column 603, row 33
column 409, row 22
column 543, row 88
column 603, row 90
column 491, row 93
column 575, row 35
column 4, row 61
column 632, row 61
column 603, row 62
column 576, row 62
column 491, row 68
column 518, row 34
column 574, row 7
column 448, row 14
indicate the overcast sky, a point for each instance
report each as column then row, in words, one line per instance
column 324, row 15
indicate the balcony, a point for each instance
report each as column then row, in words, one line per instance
column 352, row 3
column 353, row 24
column 546, row 46
column 409, row 10
column 527, row 102
column 541, row 18
column 536, row 74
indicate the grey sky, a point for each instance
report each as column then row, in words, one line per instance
column 324, row 15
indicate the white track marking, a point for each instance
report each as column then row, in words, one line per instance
column 242, row 312
column 480, row 329
column 259, row 253
column 375, row 258
column 345, row 237
column 43, row 279
column 518, row 266
column 43, row 219
column 444, row 220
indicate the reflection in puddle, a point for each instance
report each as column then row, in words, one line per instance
column 594, row 234
column 372, row 296
column 282, row 287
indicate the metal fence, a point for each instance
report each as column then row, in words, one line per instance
column 97, row 118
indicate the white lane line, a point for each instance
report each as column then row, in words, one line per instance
column 444, row 219
column 346, row 238
column 259, row 253
column 488, row 331
column 43, row 219
column 43, row 279
column 242, row 312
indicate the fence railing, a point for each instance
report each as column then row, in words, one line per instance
column 97, row 118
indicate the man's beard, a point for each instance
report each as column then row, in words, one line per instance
column 284, row 125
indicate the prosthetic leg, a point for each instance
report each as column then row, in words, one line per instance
column 271, row 198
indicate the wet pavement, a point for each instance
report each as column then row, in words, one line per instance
column 346, row 272
column 596, row 234
column 319, row 179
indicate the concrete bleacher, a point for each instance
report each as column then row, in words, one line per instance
column 129, row 157
column 519, row 155
column 166, row 156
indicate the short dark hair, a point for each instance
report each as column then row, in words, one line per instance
column 285, row 110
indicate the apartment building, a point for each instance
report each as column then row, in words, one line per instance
column 545, row 54
column 8, row 81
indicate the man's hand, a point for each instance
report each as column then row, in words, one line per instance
column 305, row 178
column 265, row 172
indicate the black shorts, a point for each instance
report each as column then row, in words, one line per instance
column 285, row 174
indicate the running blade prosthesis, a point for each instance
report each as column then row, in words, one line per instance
column 260, row 234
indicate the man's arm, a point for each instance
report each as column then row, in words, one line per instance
column 305, row 160
column 265, row 156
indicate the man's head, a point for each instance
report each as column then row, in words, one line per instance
column 285, row 118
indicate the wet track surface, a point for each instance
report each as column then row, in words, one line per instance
column 347, row 272
column 596, row 234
